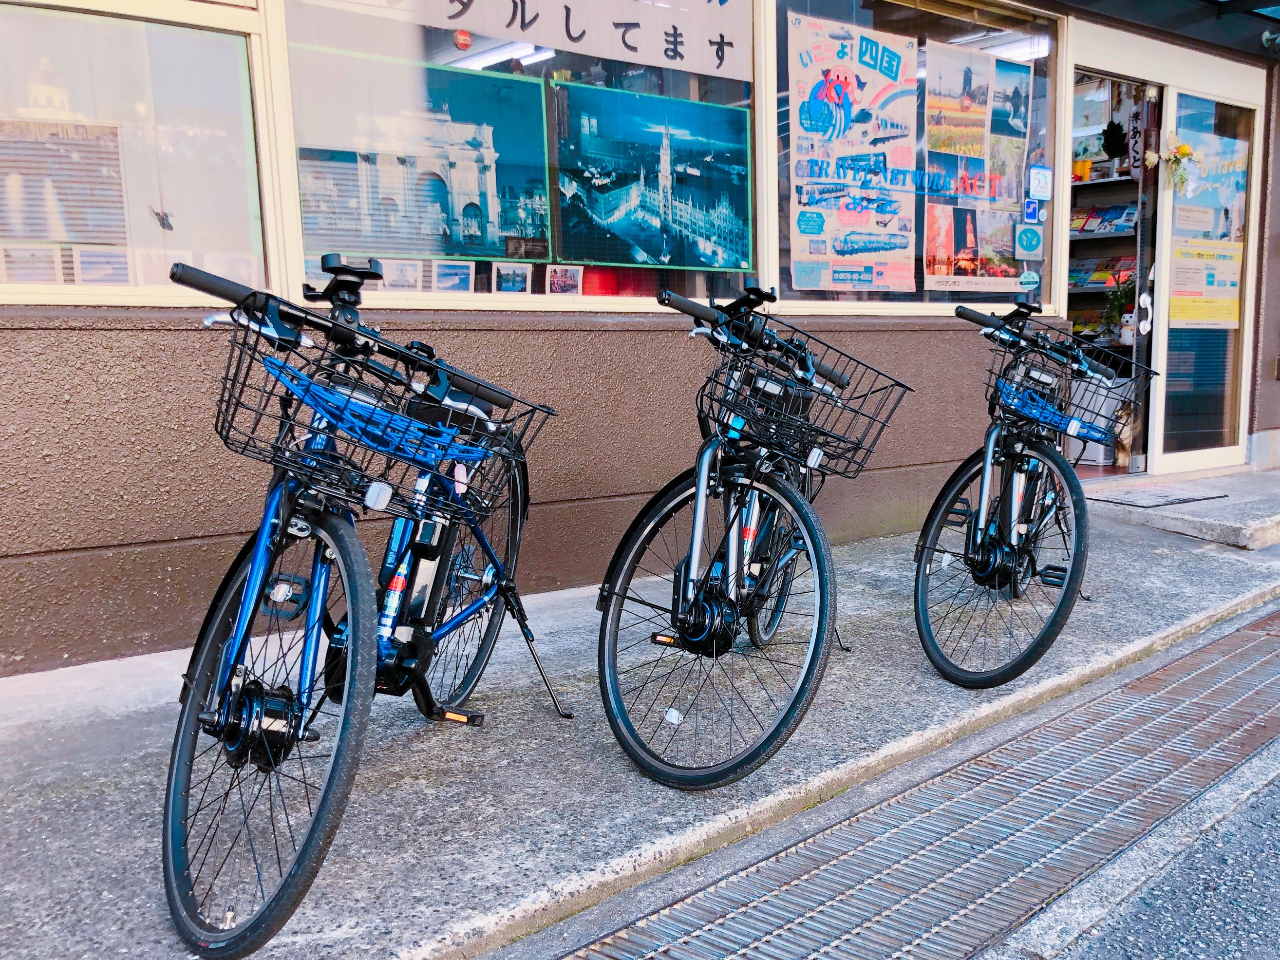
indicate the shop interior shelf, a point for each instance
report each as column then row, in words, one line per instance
column 1104, row 181
column 1116, row 235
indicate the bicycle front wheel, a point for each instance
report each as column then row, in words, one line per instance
column 701, row 713
column 250, row 813
column 985, row 620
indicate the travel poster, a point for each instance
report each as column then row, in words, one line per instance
column 653, row 181
column 1208, row 234
column 853, row 139
column 976, row 121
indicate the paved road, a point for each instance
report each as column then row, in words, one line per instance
column 1220, row 900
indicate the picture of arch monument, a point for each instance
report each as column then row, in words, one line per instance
column 464, row 176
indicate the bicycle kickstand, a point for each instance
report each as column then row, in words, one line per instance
column 839, row 640
column 512, row 596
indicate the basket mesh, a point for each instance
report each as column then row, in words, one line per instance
column 341, row 420
column 757, row 399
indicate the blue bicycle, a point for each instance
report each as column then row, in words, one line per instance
column 300, row 634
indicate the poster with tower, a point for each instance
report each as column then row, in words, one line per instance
column 648, row 181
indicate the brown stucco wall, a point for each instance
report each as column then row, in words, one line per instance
column 1265, row 413
column 121, row 510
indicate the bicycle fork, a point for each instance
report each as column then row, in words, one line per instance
column 1020, row 494
column 737, row 554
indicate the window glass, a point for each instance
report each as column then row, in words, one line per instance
column 124, row 146
column 574, row 151
column 916, row 151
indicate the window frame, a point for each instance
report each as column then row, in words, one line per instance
column 263, row 26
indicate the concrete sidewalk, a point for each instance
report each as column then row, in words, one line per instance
column 1240, row 510
column 460, row 839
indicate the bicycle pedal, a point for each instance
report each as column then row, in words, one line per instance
column 958, row 516
column 664, row 640
column 471, row 718
column 1053, row 575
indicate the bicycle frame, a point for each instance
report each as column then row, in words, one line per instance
column 400, row 556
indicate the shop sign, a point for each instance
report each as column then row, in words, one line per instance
column 712, row 37
column 462, row 40
column 1040, row 182
column 1028, row 241
column 1208, row 235
column 1029, row 280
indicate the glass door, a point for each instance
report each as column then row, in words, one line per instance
column 1204, row 376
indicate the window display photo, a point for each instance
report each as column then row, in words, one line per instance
column 647, row 180
column 613, row 134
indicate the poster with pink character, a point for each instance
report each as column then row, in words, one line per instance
column 853, row 137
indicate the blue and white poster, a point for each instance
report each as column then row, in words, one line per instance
column 652, row 181
column 853, row 141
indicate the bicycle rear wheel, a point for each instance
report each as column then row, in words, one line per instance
column 250, row 815
column 703, row 714
column 985, row 621
column 458, row 660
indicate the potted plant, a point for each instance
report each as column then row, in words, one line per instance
column 1114, row 145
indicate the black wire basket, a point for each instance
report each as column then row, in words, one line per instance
column 1035, row 385
column 366, row 421
column 756, row 399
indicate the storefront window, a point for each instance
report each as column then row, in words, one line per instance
column 574, row 148
column 916, row 151
column 124, row 146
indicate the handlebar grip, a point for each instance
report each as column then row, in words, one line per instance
column 480, row 389
column 981, row 319
column 1102, row 370
column 832, row 376
column 223, row 289
column 691, row 309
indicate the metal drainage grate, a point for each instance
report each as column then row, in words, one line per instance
column 944, row 869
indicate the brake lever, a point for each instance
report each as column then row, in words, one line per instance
column 268, row 331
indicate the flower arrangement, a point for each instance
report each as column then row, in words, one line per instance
column 1177, row 157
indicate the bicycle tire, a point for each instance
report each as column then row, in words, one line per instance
column 662, row 511
column 337, row 541
column 452, row 686
column 927, row 599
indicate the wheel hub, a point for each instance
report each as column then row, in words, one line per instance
column 263, row 726
column 996, row 565
column 711, row 629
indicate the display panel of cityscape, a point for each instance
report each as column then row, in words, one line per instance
column 464, row 176
column 652, row 181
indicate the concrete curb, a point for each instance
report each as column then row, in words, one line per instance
column 583, row 890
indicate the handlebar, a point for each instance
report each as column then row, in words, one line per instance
column 981, row 319
column 692, row 309
column 831, row 375
column 1010, row 332
column 415, row 356
column 747, row 328
column 219, row 287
